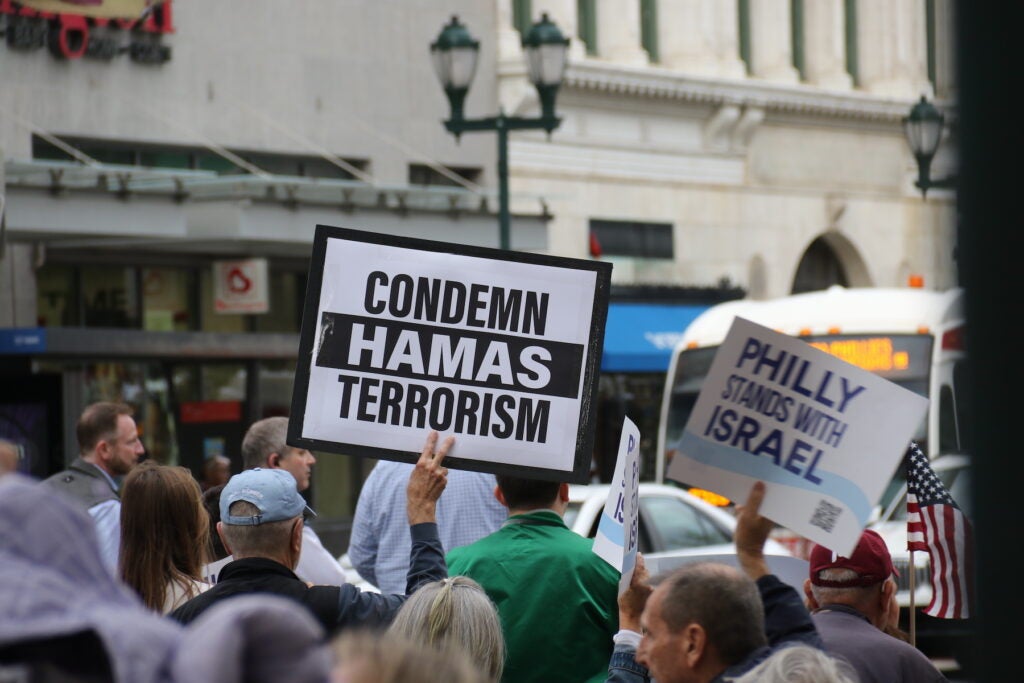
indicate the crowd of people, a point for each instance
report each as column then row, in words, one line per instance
column 116, row 570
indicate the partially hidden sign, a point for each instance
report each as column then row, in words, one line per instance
column 825, row 435
column 617, row 536
column 500, row 349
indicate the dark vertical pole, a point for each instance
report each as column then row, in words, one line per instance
column 989, row 57
column 253, row 403
column 504, row 219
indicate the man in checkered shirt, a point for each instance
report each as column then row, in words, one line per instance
column 379, row 546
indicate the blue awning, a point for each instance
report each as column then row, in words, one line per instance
column 640, row 337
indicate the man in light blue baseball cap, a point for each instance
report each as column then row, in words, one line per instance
column 272, row 492
column 261, row 525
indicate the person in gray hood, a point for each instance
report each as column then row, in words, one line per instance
column 64, row 617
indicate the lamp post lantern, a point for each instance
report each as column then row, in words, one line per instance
column 923, row 128
column 455, row 55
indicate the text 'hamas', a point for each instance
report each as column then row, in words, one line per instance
column 416, row 369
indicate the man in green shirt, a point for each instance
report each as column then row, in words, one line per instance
column 555, row 597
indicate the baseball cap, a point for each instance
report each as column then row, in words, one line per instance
column 273, row 492
column 870, row 559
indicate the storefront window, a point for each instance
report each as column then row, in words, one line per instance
column 276, row 381
column 110, row 296
column 165, row 299
column 287, row 289
column 211, row 400
column 212, row 321
column 57, row 296
column 201, row 382
column 144, row 387
column 222, row 381
column 186, row 382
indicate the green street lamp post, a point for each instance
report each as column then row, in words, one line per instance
column 455, row 54
column 923, row 128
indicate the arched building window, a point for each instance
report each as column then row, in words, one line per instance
column 819, row 268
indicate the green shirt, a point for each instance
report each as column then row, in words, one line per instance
column 557, row 600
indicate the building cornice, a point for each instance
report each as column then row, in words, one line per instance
column 660, row 83
column 60, row 178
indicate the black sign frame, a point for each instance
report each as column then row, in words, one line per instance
column 591, row 367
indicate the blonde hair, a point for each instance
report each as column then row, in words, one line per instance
column 799, row 664
column 455, row 614
column 367, row 657
column 165, row 532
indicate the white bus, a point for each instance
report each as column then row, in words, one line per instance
column 913, row 337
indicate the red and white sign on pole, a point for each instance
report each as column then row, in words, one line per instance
column 240, row 286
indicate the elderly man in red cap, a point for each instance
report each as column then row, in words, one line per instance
column 851, row 600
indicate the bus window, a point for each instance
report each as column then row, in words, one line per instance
column 964, row 407
column 691, row 369
column 903, row 359
column 947, row 421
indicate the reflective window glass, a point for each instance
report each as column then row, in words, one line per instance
column 679, row 525
column 165, row 299
column 212, row 321
column 287, row 289
column 276, row 379
column 56, row 296
column 110, row 296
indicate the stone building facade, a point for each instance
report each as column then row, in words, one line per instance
column 763, row 136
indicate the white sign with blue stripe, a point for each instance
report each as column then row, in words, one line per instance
column 617, row 531
column 824, row 435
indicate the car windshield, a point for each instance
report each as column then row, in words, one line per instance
column 677, row 525
column 667, row 523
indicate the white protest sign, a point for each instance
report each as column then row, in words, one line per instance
column 824, row 435
column 498, row 348
column 617, row 530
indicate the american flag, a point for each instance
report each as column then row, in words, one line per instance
column 937, row 525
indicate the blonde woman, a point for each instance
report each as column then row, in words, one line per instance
column 369, row 657
column 455, row 614
column 165, row 535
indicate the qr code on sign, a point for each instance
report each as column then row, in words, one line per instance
column 825, row 515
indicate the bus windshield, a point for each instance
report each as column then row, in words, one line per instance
column 900, row 358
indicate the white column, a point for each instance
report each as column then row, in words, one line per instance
column 509, row 43
column 515, row 93
column 683, row 37
column 618, row 32
column 691, row 37
column 771, row 41
column 563, row 14
column 825, row 44
column 891, row 50
column 726, row 26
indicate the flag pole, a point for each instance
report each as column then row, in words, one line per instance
column 913, row 606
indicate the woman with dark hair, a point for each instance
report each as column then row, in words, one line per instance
column 165, row 535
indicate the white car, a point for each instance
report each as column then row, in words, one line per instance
column 675, row 527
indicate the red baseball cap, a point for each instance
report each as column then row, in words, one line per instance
column 870, row 559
